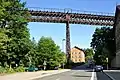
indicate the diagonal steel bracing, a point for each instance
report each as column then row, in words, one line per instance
column 75, row 18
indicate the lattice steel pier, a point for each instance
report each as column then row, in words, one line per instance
column 68, row 37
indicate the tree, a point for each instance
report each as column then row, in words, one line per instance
column 14, row 18
column 88, row 53
column 31, row 56
column 103, row 44
column 50, row 52
column 3, row 47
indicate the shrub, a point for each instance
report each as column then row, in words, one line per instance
column 10, row 70
column 20, row 69
column 2, row 70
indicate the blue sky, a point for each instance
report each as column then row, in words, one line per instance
column 81, row 35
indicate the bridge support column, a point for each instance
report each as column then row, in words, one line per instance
column 68, row 39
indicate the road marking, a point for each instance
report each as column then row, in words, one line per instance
column 58, row 79
column 92, row 77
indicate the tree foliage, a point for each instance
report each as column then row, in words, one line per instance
column 103, row 43
column 88, row 53
column 16, row 48
column 13, row 22
column 50, row 52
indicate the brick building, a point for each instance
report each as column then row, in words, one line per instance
column 77, row 55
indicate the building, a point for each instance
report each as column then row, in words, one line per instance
column 116, row 61
column 77, row 55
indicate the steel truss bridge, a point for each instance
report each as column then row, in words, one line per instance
column 75, row 16
column 70, row 16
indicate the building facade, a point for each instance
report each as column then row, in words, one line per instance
column 116, row 60
column 77, row 55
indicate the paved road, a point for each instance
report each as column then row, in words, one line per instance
column 115, row 74
column 101, row 76
column 70, row 75
column 78, row 73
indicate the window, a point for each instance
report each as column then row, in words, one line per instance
column 82, row 55
column 76, row 60
column 73, row 52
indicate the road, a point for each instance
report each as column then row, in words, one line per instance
column 101, row 76
column 115, row 74
column 78, row 73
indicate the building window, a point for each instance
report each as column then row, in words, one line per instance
column 79, row 60
column 82, row 55
column 72, row 52
column 76, row 60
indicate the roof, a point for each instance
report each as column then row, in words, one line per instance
column 78, row 48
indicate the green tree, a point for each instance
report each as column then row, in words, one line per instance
column 14, row 18
column 3, row 47
column 33, row 54
column 50, row 52
column 103, row 44
column 88, row 53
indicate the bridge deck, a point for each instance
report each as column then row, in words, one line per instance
column 75, row 18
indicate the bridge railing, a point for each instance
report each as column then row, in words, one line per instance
column 68, row 10
column 46, row 9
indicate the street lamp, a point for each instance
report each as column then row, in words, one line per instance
column 44, row 64
column 63, row 44
column 107, row 63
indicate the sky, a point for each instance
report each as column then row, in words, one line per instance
column 80, row 35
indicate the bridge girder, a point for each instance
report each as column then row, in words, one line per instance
column 75, row 18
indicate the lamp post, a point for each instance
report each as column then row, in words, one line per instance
column 107, row 63
column 44, row 64
column 63, row 44
column 29, row 60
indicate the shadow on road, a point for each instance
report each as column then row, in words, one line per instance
column 115, row 74
column 80, row 76
column 102, row 76
column 81, row 67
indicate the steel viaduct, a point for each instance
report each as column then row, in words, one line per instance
column 69, row 16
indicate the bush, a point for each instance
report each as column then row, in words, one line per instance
column 2, row 70
column 6, row 70
column 9, row 70
column 20, row 69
